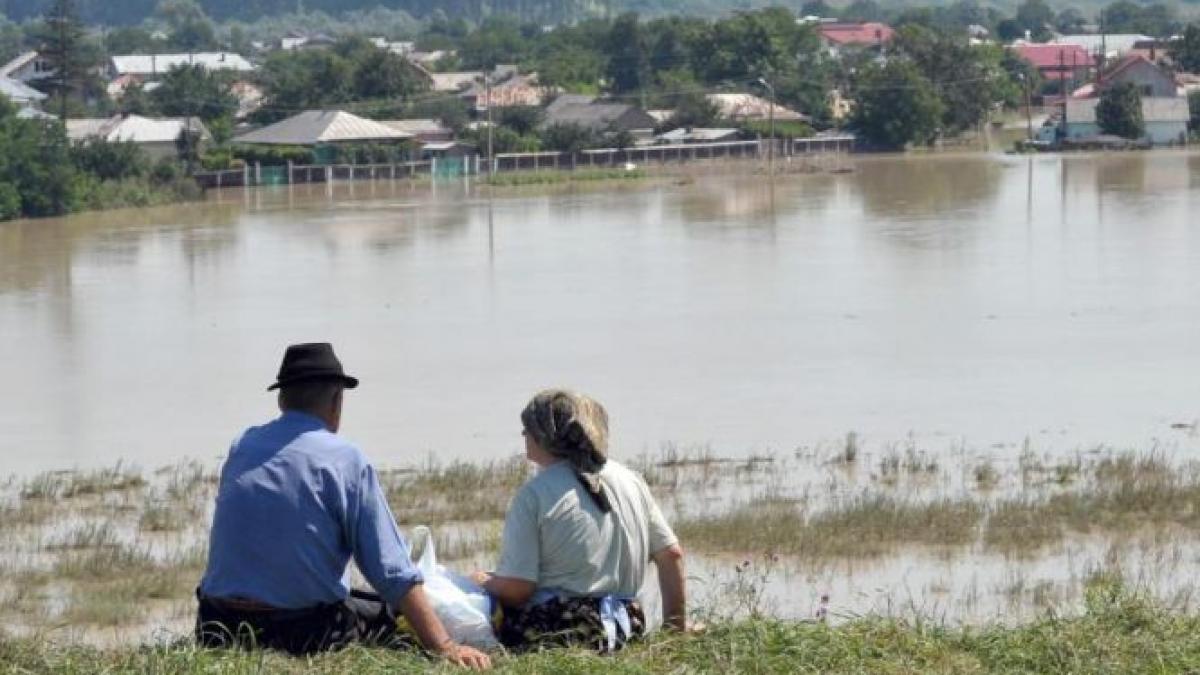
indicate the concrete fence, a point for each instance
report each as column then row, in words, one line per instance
column 256, row 174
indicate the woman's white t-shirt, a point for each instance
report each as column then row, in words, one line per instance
column 556, row 536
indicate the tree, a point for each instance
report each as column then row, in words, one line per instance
column 1119, row 111
column 1070, row 21
column 193, row 90
column 37, row 176
column 969, row 79
column 1035, row 16
column 816, row 8
column 628, row 55
column 190, row 29
column 1186, row 50
column 863, row 10
column 63, row 38
column 523, row 119
column 570, row 138
column 896, row 105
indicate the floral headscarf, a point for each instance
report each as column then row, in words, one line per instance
column 574, row 427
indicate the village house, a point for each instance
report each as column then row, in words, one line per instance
column 151, row 67
column 1110, row 46
column 1164, row 108
column 1057, row 62
column 842, row 35
column 422, row 130
column 156, row 137
column 598, row 116
column 751, row 108
column 20, row 93
column 27, row 68
column 322, row 130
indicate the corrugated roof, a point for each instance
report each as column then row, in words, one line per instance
column 132, row 128
column 751, row 107
column 454, row 81
column 1112, row 43
column 322, row 126
column 144, row 64
column 19, row 92
column 1054, row 56
column 869, row 33
column 413, row 127
column 697, row 134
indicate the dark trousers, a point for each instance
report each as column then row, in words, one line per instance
column 363, row 617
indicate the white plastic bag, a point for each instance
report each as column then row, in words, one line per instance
column 464, row 608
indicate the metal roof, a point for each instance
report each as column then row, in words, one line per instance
column 133, row 129
column 751, row 107
column 19, row 91
column 322, row 126
column 412, row 127
column 152, row 64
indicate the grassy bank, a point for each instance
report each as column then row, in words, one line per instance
column 557, row 176
column 1119, row 632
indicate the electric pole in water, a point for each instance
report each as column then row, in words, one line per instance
column 770, row 124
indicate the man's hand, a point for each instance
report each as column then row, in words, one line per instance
column 480, row 577
column 467, row 657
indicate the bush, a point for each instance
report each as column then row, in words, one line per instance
column 783, row 129
column 1119, row 111
column 10, row 201
column 110, row 161
column 273, row 155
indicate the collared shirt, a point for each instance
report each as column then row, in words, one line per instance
column 294, row 504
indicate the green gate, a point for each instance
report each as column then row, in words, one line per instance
column 449, row 167
column 273, row 175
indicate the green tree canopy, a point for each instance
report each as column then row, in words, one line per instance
column 896, row 105
column 192, row 90
column 1186, row 50
column 1119, row 111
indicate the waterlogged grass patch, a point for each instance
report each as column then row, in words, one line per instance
column 459, row 491
column 866, row 526
column 519, row 178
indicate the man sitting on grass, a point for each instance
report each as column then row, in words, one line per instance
column 295, row 502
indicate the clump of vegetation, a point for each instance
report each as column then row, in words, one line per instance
column 520, row 178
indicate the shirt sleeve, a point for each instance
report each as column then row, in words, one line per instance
column 379, row 549
column 521, row 551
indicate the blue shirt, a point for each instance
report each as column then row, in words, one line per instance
column 295, row 502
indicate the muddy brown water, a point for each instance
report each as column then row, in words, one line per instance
column 978, row 297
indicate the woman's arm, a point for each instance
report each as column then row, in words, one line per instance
column 509, row 591
column 671, row 585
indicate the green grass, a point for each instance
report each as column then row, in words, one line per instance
column 552, row 176
column 1120, row 631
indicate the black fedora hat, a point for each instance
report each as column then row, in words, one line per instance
column 311, row 361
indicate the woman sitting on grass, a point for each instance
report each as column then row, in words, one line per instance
column 579, row 536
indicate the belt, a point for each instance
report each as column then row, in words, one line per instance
column 239, row 605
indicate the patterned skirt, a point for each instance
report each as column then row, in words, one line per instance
column 564, row 622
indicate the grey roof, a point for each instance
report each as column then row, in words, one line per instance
column 565, row 100
column 322, row 126
column 19, row 91
column 151, row 64
column 34, row 114
column 412, row 127
column 1154, row 109
column 590, row 115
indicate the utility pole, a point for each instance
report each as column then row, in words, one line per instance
column 487, row 89
column 1028, row 106
column 771, row 125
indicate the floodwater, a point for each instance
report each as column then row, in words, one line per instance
column 976, row 299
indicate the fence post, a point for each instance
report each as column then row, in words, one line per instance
column 258, row 173
column 432, row 167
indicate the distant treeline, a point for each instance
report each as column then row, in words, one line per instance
column 131, row 12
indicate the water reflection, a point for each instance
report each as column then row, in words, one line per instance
column 988, row 296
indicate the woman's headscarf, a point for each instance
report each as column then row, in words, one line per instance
column 575, row 428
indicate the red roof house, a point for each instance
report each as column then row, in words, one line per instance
column 1056, row 62
column 869, row 34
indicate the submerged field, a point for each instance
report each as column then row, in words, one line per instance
column 841, row 556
